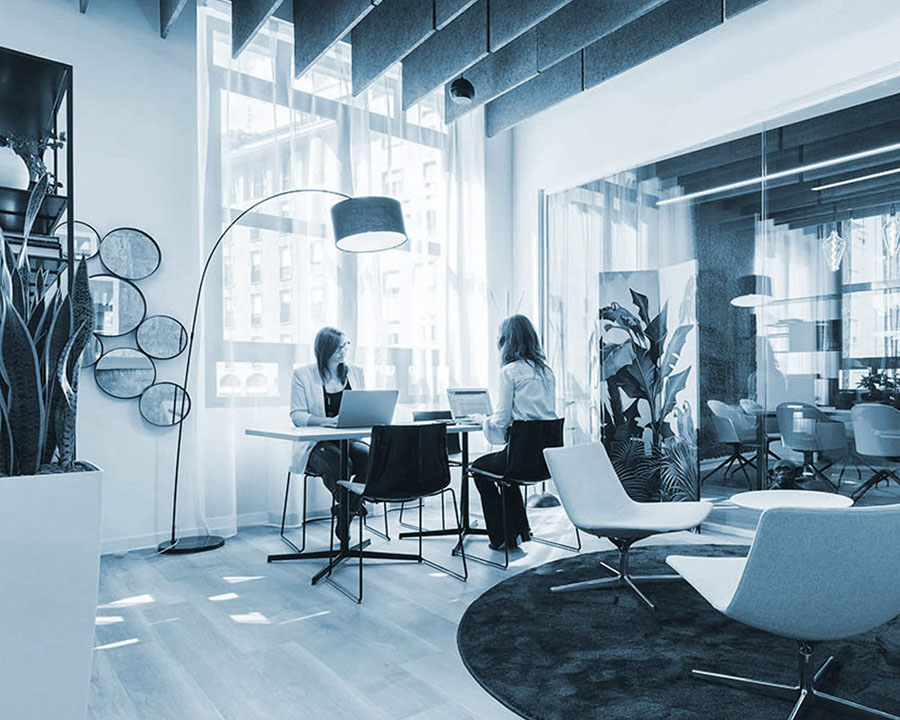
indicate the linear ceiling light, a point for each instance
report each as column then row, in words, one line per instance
column 781, row 173
column 871, row 176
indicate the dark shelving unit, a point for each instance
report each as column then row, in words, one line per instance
column 34, row 92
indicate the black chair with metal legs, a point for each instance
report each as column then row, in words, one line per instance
column 453, row 454
column 525, row 466
column 407, row 463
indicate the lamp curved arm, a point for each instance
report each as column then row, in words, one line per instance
column 190, row 346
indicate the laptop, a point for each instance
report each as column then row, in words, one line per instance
column 365, row 408
column 466, row 402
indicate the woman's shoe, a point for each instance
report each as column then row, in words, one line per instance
column 511, row 544
column 526, row 535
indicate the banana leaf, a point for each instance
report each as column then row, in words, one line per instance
column 673, row 351
column 657, row 329
column 643, row 305
column 27, row 412
column 674, row 385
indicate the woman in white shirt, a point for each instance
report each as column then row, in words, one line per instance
column 316, row 392
column 527, row 392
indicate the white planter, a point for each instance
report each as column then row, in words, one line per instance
column 49, row 570
column 13, row 171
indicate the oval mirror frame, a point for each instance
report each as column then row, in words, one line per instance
column 153, row 399
column 151, row 345
column 134, row 322
column 88, row 231
column 95, row 341
column 127, row 352
column 115, row 258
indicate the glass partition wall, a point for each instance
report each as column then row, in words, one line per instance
column 687, row 300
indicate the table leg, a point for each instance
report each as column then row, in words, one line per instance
column 762, row 454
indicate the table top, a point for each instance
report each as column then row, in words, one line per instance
column 316, row 433
column 766, row 499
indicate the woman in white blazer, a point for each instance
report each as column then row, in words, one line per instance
column 316, row 392
column 527, row 392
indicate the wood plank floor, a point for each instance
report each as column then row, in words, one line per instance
column 223, row 635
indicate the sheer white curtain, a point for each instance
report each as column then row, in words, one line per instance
column 416, row 316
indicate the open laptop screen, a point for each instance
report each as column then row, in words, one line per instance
column 465, row 402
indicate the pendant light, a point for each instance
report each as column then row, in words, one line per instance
column 891, row 232
column 834, row 246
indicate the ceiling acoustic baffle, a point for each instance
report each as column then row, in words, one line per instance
column 169, row 10
column 247, row 19
column 319, row 25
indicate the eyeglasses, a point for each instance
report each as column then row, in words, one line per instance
column 344, row 345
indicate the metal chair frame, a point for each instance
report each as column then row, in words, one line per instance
column 287, row 490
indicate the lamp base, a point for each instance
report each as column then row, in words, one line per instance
column 195, row 544
column 542, row 500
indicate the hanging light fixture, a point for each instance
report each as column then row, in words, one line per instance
column 891, row 231
column 368, row 224
column 834, row 246
column 752, row 291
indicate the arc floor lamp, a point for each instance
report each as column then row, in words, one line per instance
column 361, row 224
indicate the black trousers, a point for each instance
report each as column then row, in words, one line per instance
column 491, row 501
column 325, row 460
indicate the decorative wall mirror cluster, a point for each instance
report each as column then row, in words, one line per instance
column 129, row 255
column 86, row 240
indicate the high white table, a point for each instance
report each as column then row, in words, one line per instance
column 344, row 436
column 766, row 499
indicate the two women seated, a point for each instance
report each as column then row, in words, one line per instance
column 527, row 392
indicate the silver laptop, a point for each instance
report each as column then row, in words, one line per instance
column 466, row 402
column 364, row 408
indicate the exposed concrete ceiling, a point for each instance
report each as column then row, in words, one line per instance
column 521, row 56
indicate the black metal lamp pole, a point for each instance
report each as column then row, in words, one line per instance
column 200, row 543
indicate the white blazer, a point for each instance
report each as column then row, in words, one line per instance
column 307, row 399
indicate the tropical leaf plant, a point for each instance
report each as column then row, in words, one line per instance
column 43, row 333
column 642, row 368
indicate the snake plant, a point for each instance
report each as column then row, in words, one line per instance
column 43, row 333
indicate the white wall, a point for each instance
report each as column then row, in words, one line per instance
column 775, row 59
column 135, row 136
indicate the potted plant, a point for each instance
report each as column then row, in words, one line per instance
column 49, row 502
column 641, row 368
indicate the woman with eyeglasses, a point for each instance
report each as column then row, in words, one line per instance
column 527, row 392
column 316, row 392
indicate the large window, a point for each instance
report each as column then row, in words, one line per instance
column 269, row 132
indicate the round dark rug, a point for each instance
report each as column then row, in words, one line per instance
column 603, row 654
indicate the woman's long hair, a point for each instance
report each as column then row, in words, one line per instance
column 519, row 341
column 327, row 342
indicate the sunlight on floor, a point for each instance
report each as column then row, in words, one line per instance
column 305, row 617
column 128, row 602
column 223, row 596
column 234, row 579
column 108, row 619
column 120, row 643
column 251, row 618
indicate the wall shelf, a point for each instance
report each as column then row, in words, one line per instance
column 36, row 110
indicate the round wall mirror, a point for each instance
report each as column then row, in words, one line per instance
column 119, row 307
column 165, row 404
column 92, row 351
column 124, row 373
column 87, row 239
column 130, row 253
column 162, row 337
